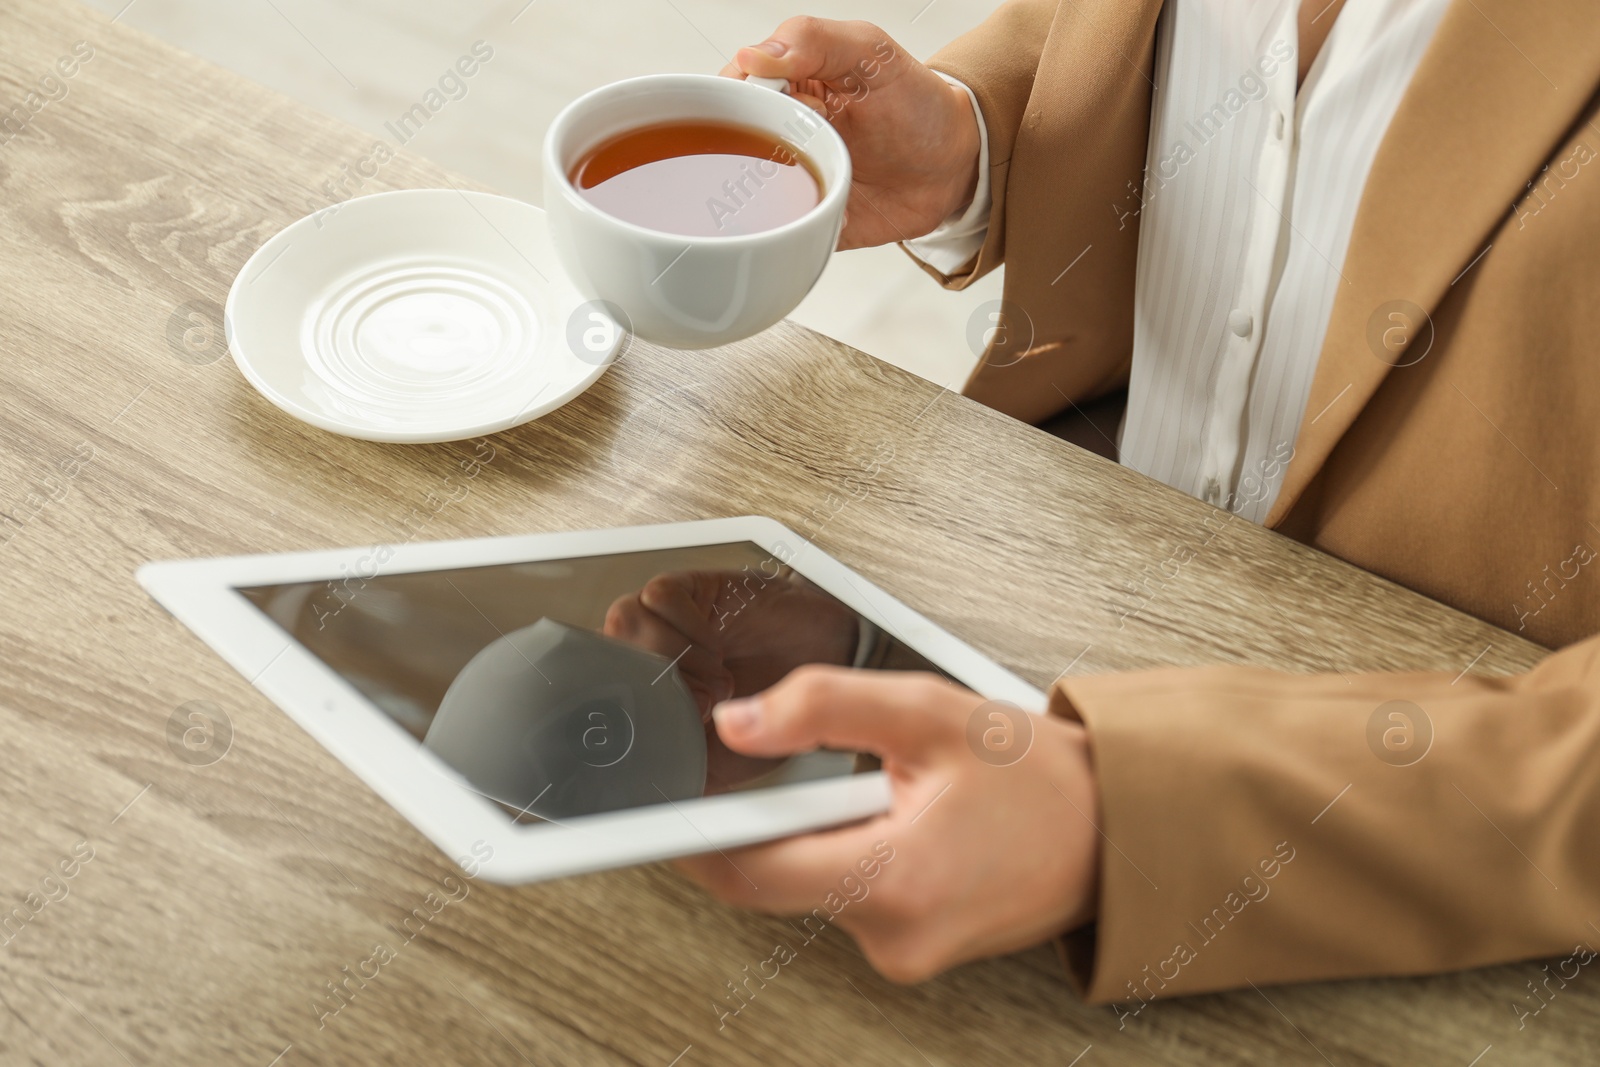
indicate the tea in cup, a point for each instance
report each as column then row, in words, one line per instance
column 700, row 209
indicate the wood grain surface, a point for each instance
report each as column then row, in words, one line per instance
column 220, row 898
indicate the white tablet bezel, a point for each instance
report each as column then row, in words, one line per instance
column 471, row 829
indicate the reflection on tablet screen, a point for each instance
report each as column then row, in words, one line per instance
column 568, row 687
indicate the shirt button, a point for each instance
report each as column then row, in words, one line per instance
column 1240, row 322
column 1277, row 125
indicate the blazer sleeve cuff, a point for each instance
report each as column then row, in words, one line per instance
column 997, row 63
column 1264, row 828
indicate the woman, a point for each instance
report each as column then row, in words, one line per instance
column 1341, row 257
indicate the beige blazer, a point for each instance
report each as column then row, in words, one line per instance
column 1467, row 473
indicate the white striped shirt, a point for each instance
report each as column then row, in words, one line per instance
column 1250, row 194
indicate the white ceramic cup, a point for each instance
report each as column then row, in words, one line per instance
column 675, row 290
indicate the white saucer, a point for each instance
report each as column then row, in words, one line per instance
column 419, row 315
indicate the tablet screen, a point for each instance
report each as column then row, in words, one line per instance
column 560, row 688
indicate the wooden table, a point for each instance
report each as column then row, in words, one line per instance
column 221, row 898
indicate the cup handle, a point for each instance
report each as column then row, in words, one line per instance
column 777, row 85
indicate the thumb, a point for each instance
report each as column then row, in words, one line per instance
column 894, row 715
column 807, row 48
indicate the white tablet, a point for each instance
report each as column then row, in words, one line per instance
column 539, row 706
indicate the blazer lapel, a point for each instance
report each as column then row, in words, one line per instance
column 1497, row 89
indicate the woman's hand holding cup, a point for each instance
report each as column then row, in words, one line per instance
column 913, row 137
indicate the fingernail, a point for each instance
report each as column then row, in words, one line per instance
column 771, row 48
column 741, row 716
